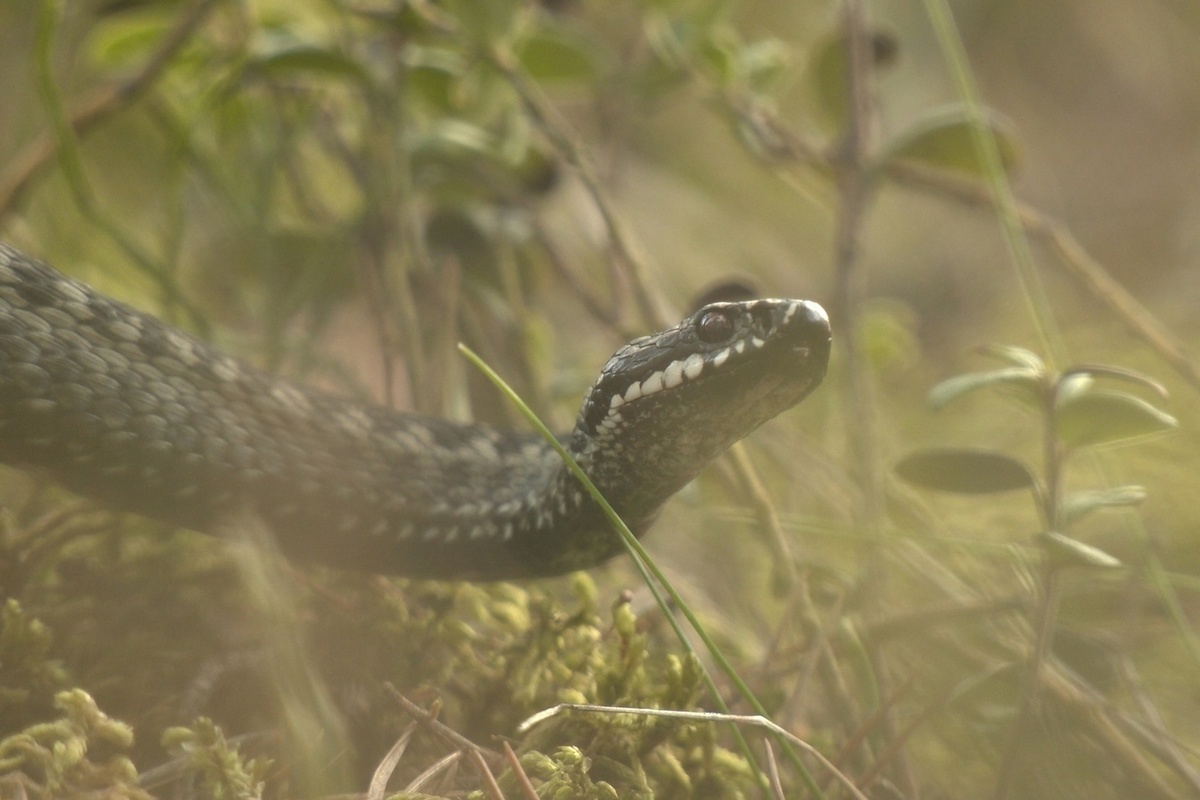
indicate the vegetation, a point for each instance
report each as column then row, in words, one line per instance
column 306, row 181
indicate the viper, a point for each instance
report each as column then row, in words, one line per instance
column 118, row 406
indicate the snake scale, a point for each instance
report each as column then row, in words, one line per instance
column 118, row 406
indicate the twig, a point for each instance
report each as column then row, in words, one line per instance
column 430, row 721
column 548, row 121
column 485, row 775
column 773, row 771
column 383, row 772
column 1072, row 256
column 441, row 765
column 97, row 107
column 518, row 772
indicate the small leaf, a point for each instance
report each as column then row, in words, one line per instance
column 1026, row 380
column 1077, row 505
column 1017, row 356
column 887, row 334
column 763, row 63
column 826, row 75
column 1071, row 385
column 721, row 53
column 943, row 140
column 965, row 471
column 454, row 136
column 1102, row 415
column 553, row 55
column 1119, row 373
column 118, row 45
column 1067, row 552
column 303, row 58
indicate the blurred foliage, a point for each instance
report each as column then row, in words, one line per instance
column 342, row 190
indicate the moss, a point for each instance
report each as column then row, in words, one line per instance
column 223, row 773
column 80, row 752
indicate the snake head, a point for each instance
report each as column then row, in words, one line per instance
column 676, row 399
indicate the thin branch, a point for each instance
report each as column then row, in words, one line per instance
column 383, row 772
column 518, row 772
column 99, row 106
column 549, row 122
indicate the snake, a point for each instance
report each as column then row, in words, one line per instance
column 117, row 406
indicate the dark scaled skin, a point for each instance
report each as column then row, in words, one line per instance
column 118, row 406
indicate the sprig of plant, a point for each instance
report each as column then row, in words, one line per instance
column 1077, row 411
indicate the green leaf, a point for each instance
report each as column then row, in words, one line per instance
column 1067, row 552
column 943, row 140
column 763, row 63
column 718, row 52
column 295, row 59
column 453, row 136
column 127, row 41
column 1026, row 380
column 1071, row 385
column 553, row 55
column 1118, row 373
column 887, row 334
column 1078, row 505
column 965, row 471
column 1102, row 415
column 827, row 75
column 1017, row 356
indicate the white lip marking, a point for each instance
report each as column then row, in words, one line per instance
column 721, row 357
column 791, row 312
column 740, row 346
column 757, row 342
column 652, row 384
column 633, row 392
column 693, row 366
column 616, row 401
column 673, row 375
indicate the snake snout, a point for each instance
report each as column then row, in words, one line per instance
column 814, row 319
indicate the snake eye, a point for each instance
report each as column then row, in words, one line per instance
column 714, row 327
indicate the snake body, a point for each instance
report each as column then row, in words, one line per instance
column 118, row 406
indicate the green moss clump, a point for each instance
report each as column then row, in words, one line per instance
column 74, row 755
column 223, row 772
